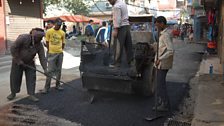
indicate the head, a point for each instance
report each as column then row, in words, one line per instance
column 112, row 2
column 57, row 24
column 50, row 24
column 104, row 23
column 91, row 22
column 161, row 22
column 38, row 34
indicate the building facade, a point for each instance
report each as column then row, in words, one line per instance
column 18, row 17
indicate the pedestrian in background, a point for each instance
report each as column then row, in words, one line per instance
column 50, row 24
column 163, row 63
column 89, row 32
column 121, row 32
column 55, row 40
column 101, row 35
column 64, row 28
column 23, row 51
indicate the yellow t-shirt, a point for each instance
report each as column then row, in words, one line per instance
column 55, row 38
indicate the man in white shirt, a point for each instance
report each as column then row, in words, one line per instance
column 163, row 62
column 121, row 32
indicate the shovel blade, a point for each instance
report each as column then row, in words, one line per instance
column 154, row 117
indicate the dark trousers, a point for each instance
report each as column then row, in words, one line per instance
column 54, row 68
column 16, row 78
column 161, row 88
column 124, row 41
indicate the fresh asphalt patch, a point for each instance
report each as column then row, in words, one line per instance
column 107, row 109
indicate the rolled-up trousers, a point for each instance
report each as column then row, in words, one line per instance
column 16, row 76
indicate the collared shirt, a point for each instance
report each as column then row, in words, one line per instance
column 166, row 50
column 120, row 14
column 165, row 41
column 25, row 49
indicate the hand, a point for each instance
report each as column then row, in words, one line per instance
column 157, row 62
column 105, row 44
column 115, row 32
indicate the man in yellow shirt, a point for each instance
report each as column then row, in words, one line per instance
column 55, row 40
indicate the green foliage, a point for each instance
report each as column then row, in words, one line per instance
column 73, row 6
column 76, row 7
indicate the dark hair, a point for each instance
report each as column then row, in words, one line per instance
column 161, row 19
column 50, row 21
column 104, row 23
column 90, row 21
column 36, row 29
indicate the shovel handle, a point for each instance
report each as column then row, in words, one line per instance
column 43, row 73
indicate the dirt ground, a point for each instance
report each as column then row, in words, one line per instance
column 186, row 109
column 27, row 115
column 186, row 112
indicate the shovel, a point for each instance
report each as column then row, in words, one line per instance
column 91, row 97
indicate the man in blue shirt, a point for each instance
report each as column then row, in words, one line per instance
column 101, row 36
column 89, row 32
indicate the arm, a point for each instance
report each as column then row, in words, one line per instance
column 116, row 20
column 63, row 41
column 47, row 38
column 116, row 17
column 41, row 54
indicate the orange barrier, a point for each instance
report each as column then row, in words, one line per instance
column 75, row 18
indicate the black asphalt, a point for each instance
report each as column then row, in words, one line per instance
column 110, row 109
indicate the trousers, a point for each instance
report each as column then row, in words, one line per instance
column 16, row 75
column 162, row 88
column 123, row 41
column 54, row 68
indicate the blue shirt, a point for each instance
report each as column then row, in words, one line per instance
column 101, row 35
column 90, row 29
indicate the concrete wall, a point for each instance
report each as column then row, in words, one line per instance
column 21, row 18
column 167, row 4
column 2, row 29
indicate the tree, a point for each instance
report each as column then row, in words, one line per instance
column 73, row 6
column 46, row 3
column 76, row 7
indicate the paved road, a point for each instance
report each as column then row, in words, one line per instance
column 111, row 109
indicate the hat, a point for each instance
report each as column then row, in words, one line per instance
column 58, row 23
